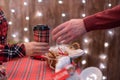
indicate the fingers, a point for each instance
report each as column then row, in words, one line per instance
column 40, row 44
column 60, row 33
column 63, row 37
column 68, row 40
column 38, row 47
column 42, row 48
column 40, row 53
column 59, row 30
column 60, row 27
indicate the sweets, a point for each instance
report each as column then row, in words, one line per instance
column 57, row 52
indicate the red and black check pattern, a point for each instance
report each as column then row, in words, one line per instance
column 3, row 28
column 8, row 52
column 41, row 36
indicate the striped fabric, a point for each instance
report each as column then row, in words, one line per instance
column 28, row 69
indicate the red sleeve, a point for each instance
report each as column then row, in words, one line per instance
column 109, row 18
column 8, row 52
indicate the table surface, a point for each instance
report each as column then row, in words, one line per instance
column 28, row 69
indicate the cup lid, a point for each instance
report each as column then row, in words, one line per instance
column 41, row 27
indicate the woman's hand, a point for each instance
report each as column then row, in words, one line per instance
column 36, row 48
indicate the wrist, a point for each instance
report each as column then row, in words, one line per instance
column 27, row 51
column 82, row 29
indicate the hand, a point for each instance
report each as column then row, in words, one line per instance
column 34, row 48
column 69, row 31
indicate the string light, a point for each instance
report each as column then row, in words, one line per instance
column 109, row 4
column 83, row 15
column 104, row 78
column 102, row 66
column 10, row 22
column 83, row 1
column 39, row 1
column 110, row 32
column 25, row 29
column 86, row 40
column 86, row 51
column 39, row 14
column 106, row 44
column 26, row 40
column 63, row 14
column 84, row 62
column 103, row 56
column 13, row 10
column 60, row 2
column 27, row 18
column 25, row 3
column 13, row 35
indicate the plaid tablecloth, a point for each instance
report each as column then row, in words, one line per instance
column 28, row 69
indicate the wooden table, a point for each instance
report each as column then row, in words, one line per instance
column 28, row 69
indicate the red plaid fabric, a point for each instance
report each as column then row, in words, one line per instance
column 3, row 28
column 28, row 69
column 41, row 36
column 7, row 52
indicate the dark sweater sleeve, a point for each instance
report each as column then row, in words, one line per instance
column 109, row 18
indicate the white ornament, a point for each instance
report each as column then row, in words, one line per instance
column 91, row 73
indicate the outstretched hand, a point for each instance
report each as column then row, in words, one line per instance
column 68, row 31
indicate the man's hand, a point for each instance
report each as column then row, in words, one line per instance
column 68, row 31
